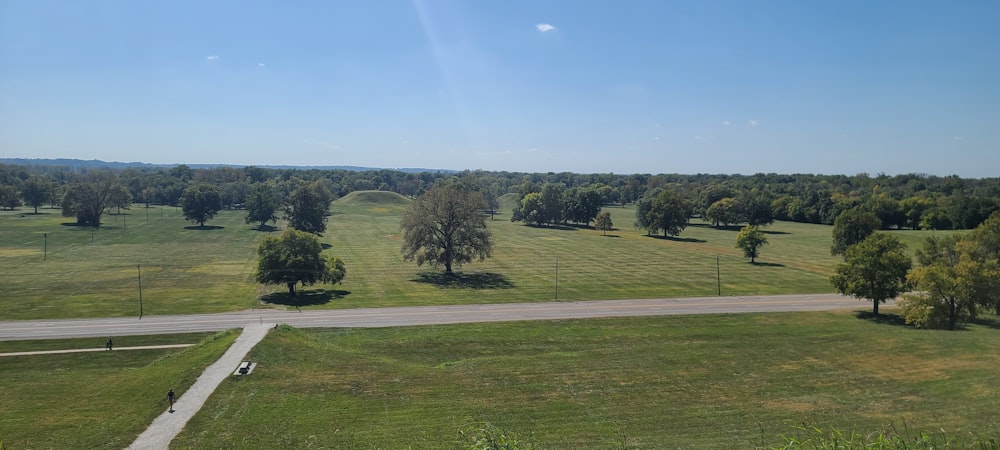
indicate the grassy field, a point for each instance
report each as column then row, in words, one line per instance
column 95, row 400
column 87, row 272
column 728, row 381
column 82, row 272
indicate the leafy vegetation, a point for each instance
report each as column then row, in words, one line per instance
column 294, row 257
column 445, row 227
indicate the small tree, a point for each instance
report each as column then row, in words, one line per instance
column 850, row 227
column 874, row 269
column 444, row 227
column 201, row 202
column 295, row 257
column 750, row 240
column 603, row 222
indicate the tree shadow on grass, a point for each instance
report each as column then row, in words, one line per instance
column 720, row 227
column 987, row 322
column 610, row 235
column 555, row 227
column 775, row 232
column 312, row 297
column 204, row 228
column 767, row 264
column 676, row 239
column 265, row 228
column 882, row 318
column 460, row 280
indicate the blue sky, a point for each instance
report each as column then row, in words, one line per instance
column 537, row 86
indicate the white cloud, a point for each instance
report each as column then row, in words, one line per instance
column 544, row 27
column 212, row 58
column 726, row 123
column 261, row 65
column 753, row 123
column 656, row 138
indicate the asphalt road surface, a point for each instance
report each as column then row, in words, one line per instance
column 421, row 315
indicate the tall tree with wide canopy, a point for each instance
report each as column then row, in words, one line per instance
column 201, row 202
column 874, row 269
column 669, row 213
column 307, row 208
column 262, row 205
column 444, row 227
column 88, row 196
column 36, row 190
column 295, row 257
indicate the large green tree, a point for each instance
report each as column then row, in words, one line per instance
column 295, row 257
column 874, row 269
column 201, row 202
column 262, row 205
column 669, row 213
column 444, row 227
column 88, row 196
column 8, row 197
column 954, row 279
column 850, row 227
column 36, row 190
column 723, row 212
column 307, row 208
column 750, row 240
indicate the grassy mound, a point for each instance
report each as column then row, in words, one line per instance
column 369, row 198
column 508, row 201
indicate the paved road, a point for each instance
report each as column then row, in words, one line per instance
column 420, row 315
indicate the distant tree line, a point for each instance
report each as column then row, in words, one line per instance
column 913, row 201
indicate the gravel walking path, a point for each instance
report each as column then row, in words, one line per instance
column 170, row 423
column 95, row 349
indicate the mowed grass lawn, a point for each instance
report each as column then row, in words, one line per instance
column 184, row 269
column 87, row 272
column 95, row 400
column 723, row 381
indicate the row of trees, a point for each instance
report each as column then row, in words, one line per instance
column 553, row 203
column 957, row 274
column 902, row 201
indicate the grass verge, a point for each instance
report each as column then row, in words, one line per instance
column 95, row 400
column 723, row 381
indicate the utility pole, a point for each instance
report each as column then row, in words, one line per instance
column 138, row 269
column 557, row 278
column 718, row 275
column 45, row 246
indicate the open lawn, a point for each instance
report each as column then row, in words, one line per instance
column 86, row 272
column 729, row 381
column 95, row 400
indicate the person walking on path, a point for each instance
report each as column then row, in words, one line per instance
column 170, row 398
column 109, row 344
